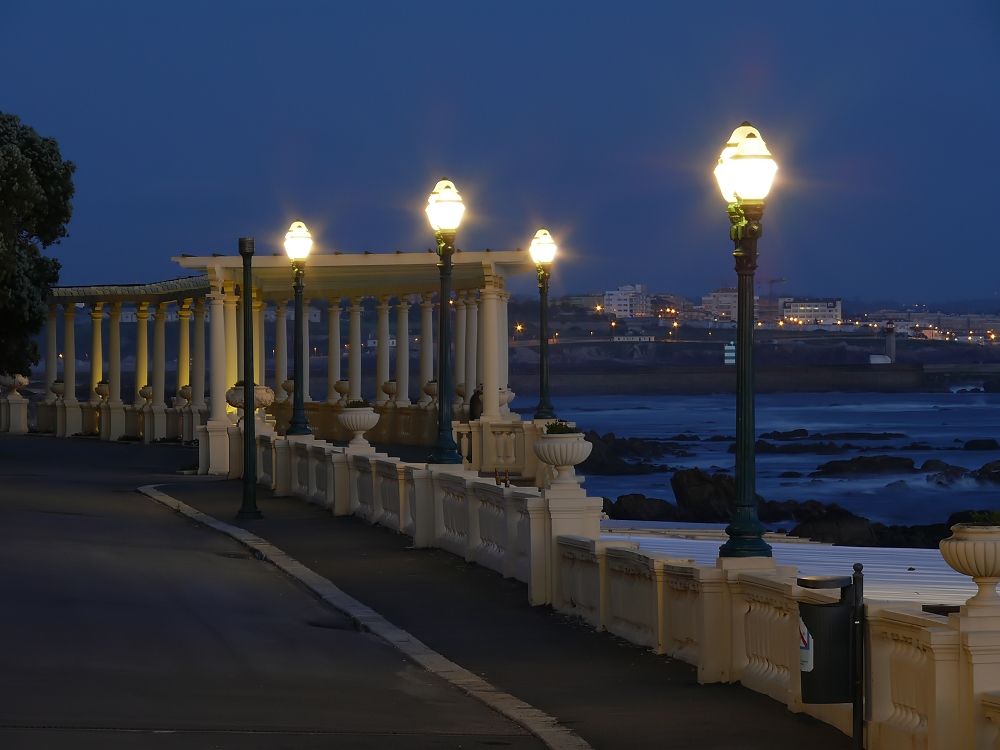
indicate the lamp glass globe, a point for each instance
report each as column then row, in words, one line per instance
column 543, row 247
column 298, row 241
column 445, row 207
column 746, row 168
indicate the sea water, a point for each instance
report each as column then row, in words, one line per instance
column 942, row 420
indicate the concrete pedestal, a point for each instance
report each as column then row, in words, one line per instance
column 112, row 420
column 218, row 447
column 16, row 420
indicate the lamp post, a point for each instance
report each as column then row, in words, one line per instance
column 249, row 507
column 745, row 173
column 543, row 251
column 298, row 243
column 444, row 210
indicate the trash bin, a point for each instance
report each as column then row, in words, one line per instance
column 825, row 653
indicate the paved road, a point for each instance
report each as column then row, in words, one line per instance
column 127, row 625
column 614, row 694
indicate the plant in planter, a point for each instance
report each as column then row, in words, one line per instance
column 358, row 417
column 562, row 446
column 973, row 549
column 13, row 382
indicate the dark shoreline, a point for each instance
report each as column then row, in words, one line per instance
column 613, row 378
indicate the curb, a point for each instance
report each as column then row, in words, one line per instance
column 546, row 728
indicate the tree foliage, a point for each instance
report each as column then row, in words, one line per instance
column 36, row 190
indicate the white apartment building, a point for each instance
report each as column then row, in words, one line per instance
column 629, row 301
column 815, row 310
column 722, row 303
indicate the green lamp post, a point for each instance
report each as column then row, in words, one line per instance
column 543, row 252
column 249, row 507
column 444, row 211
column 745, row 173
column 298, row 243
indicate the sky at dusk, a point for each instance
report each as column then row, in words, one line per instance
column 193, row 124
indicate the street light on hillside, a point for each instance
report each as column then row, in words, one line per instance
column 543, row 251
column 444, row 211
column 745, row 173
column 298, row 243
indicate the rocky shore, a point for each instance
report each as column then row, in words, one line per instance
column 701, row 497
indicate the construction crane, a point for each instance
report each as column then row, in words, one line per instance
column 770, row 285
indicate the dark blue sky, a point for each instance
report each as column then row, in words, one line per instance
column 193, row 124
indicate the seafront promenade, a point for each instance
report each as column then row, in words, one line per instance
column 135, row 625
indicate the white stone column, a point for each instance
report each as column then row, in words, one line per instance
column 459, row 345
column 141, row 350
column 51, row 354
column 480, row 339
column 72, row 421
column 156, row 428
column 96, row 352
column 258, row 337
column 306, row 350
column 198, row 358
column 239, row 337
column 403, row 351
column 333, row 352
column 471, row 345
column 280, row 349
column 503, row 340
column 354, row 352
column 115, row 354
column 491, row 365
column 183, row 345
column 232, row 374
column 382, row 350
column 217, row 460
column 426, row 345
column 113, row 412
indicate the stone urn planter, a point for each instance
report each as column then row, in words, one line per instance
column 389, row 389
column 974, row 550
column 58, row 387
column 13, row 382
column 185, row 393
column 563, row 451
column 431, row 389
column 343, row 387
column 358, row 419
column 288, row 387
column 506, row 396
column 460, row 391
column 103, row 389
column 263, row 396
column 147, row 393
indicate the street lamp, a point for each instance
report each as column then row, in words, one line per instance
column 298, row 243
column 543, row 251
column 249, row 507
column 745, row 173
column 444, row 211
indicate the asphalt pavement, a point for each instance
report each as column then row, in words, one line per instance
column 126, row 625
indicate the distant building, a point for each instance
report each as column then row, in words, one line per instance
column 814, row 310
column 629, row 301
column 587, row 301
column 722, row 303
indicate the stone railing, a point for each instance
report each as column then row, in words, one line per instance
column 504, row 446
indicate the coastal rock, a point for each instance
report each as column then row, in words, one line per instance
column 790, row 475
column 638, row 507
column 773, row 511
column 789, row 435
column 608, row 456
column 837, row 526
column 704, row 497
column 982, row 444
column 762, row 447
column 881, row 464
column 859, row 436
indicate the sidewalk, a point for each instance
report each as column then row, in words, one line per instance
column 613, row 694
column 127, row 625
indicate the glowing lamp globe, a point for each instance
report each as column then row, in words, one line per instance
column 445, row 207
column 298, row 241
column 543, row 247
column 746, row 168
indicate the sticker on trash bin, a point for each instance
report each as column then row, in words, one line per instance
column 805, row 648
